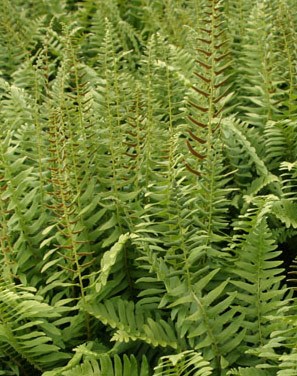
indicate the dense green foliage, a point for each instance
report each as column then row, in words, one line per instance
column 148, row 174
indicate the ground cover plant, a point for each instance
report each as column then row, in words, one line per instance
column 148, row 176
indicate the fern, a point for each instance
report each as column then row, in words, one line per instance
column 286, row 42
column 261, row 297
column 248, row 371
column 132, row 323
column 259, row 63
column 102, row 364
column 27, row 338
column 147, row 187
column 182, row 364
column 18, row 35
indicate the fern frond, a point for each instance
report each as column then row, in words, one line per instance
column 18, row 34
column 258, row 281
column 259, row 83
column 117, row 273
column 211, row 90
column 279, row 353
column 90, row 368
column 249, row 371
column 288, row 364
column 26, row 337
column 132, row 323
column 280, row 143
column 103, row 364
column 71, row 193
column 187, row 362
column 245, row 159
column 94, row 19
column 21, row 192
column 285, row 26
column 289, row 179
column 207, row 318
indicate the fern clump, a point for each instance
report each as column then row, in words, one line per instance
column 148, row 187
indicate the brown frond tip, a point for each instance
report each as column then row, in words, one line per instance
column 218, row 99
column 192, row 170
column 194, row 152
column 206, row 66
column 218, row 72
column 131, row 155
column 196, row 122
column 221, row 57
column 217, row 35
column 130, row 144
column 219, row 25
column 207, row 53
column 202, row 109
column 222, row 83
column 196, row 138
column 208, row 31
column 205, row 79
column 199, row 91
column 206, row 41
column 217, row 46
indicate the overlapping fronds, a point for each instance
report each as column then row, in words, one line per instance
column 211, row 92
column 86, row 361
column 148, row 182
column 132, row 323
column 258, row 73
column 28, row 339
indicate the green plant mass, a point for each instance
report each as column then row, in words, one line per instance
column 148, row 186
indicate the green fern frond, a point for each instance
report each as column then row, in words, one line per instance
column 26, row 337
column 108, row 261
column 289, row 175
column 88, row 368
column 132, row 323
column 117, row 272
column 93, row 19
column 279, row 353
column 249, row 371
column 259, row 80
column 187, row 362
column 279, row 138
column 285, row 211
column 21, row 194
column 207, row 318
column 18, row 34
column 237, row 13
column 104, row 365
column 258, row 282
column 285, row 28
column 246, row 160
column 288, row 364
column 207, row 106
